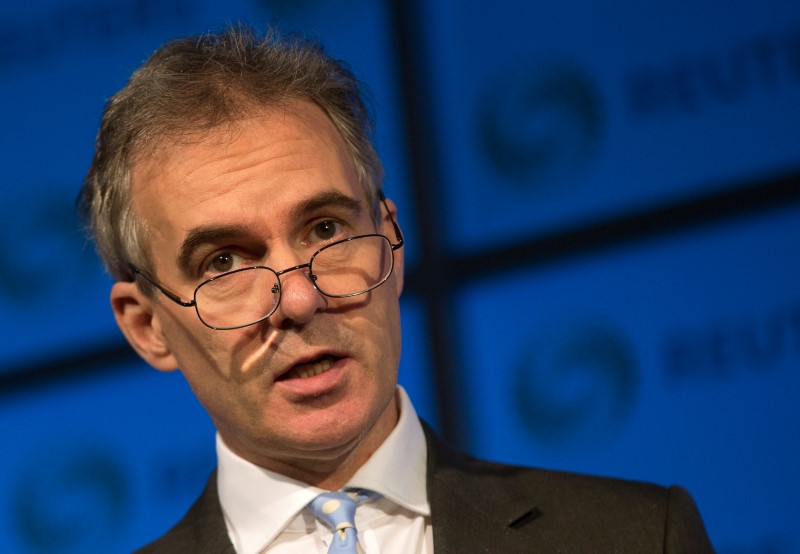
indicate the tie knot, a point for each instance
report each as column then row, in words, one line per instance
column 334, row 509
column 337, row 510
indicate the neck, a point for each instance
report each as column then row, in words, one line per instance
column 327, row 469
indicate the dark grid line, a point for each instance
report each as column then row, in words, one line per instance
column 736, row 201
column 422, row 140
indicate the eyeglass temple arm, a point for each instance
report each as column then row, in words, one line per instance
column 397, row 232
column 169, row 294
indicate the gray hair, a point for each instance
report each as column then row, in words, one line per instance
column 195, row 85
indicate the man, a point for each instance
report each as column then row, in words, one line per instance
column 235, row 197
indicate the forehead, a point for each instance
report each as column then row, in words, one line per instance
column 251, row 172
column 284, row 138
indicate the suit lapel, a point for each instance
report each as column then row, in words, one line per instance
column 201, row 530
column 211, row 533
column 475, row 507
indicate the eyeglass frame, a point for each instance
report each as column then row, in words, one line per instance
column 193, row 303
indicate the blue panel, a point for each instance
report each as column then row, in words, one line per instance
column 673, row 361
column 103, row 464
column 555, row 113
column 416, row 373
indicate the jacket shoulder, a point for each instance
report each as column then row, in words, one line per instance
column 563, row 511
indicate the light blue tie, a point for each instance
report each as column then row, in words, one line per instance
column 337, row 510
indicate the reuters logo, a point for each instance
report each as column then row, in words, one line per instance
column 541, row 126
column 576, row 386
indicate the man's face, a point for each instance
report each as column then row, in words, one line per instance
column 268, row 191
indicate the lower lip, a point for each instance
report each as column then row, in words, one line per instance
column 316, row 385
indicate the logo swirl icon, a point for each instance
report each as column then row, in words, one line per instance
column 542, row 126
column 577, row 386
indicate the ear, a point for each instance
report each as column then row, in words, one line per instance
column 134, row 313
column 399, row 254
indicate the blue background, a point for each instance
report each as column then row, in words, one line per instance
column 610, row 194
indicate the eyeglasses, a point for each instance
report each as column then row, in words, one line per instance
column 246, row 296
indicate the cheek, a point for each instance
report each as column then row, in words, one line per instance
column 201, row 352
column 387, row 333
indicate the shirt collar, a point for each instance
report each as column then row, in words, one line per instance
column 258, row 504
column 398, row 468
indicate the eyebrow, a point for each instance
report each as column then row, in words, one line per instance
column 199, row 236
column 327, row 199
column 210, row 234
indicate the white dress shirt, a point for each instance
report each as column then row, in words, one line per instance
column 264, row 511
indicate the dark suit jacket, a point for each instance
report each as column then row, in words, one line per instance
column 478, row 506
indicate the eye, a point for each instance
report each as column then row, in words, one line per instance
column 222, row 262
column 325, row 231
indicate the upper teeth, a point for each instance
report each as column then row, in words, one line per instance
column 315, row 368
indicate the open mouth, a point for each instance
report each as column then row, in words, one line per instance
column 311, row 369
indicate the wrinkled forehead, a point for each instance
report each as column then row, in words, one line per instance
column 187, row 154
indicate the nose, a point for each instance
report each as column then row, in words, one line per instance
column 299, row 299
